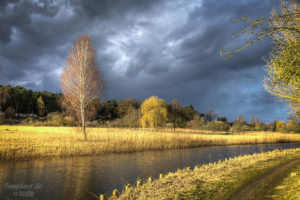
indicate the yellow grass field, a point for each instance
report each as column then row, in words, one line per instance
column 29, row 142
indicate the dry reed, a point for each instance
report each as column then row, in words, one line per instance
column 28, row 142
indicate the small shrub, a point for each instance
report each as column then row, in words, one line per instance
column 196, row 123
column 216, row 126
column 260, row 127
column 69, row 121
column 94, row 123
column 54, row 119
column 130, row 120
column 238, row 126
column 10, row 121
column 28, row 121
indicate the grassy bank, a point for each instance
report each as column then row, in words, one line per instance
column 289, row 187
column 219, row 180
column 28, row 142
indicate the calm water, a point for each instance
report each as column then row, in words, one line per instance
column 74, row 178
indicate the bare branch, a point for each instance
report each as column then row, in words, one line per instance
column 287, row 20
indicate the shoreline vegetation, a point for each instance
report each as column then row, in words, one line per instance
column 218, row 180
column 29, row 142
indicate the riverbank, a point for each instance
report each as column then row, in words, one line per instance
column 29, row 142
column 221, row 180
column 288, row 188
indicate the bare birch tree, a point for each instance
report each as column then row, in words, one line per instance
column 80, row 80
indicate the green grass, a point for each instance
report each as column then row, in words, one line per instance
column 219, row 180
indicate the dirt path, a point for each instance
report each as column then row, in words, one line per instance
column 258, row 188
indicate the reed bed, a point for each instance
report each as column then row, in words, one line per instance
column 29, row 142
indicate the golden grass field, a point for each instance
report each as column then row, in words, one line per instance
column 219, row 180
column 29, row 142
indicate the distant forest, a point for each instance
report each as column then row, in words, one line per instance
column 21, row 106
column 21, row 100
column 17, row 99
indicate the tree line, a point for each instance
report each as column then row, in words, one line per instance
column 22, row 106
column 19, row 100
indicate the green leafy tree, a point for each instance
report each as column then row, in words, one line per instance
column 127, row 106
column 295, row 114
column 222, row 119
column 283, row 65
column 176, row 114
column 109, row 110
column 154, row 112
column 189, row 112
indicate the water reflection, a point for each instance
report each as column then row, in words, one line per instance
column 74, row 178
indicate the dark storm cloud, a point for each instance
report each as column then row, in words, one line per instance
column 144, row 48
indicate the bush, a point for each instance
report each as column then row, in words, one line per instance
column 216, row 126
column 291, row 126
column 238, row 126
column 10, row 121
column 260, row 127
column 130, row 120
column 28, row 121
column 196, row 123
column 69, row 121
column 54, row 119
column 94, row 123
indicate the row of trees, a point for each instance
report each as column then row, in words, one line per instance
column 130, row 112
column 20, row 100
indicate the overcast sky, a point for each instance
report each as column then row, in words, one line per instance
column 165, row 48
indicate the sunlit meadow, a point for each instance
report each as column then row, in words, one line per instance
column 28, row 142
